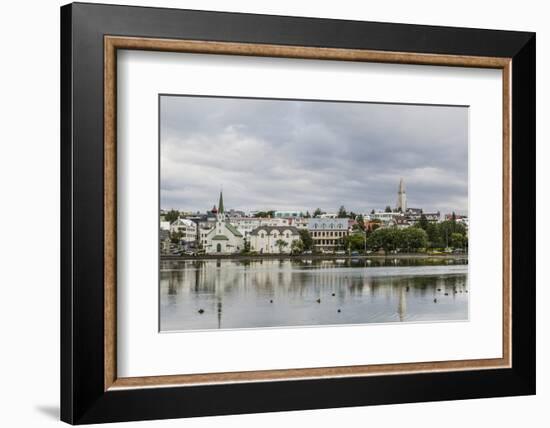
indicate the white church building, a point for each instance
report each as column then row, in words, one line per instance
column 223, row 237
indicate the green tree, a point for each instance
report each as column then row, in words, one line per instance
column 307, row 240
column 412, row 239
column 317, row 212
column 423, row 222
column 457, row 240
column 265, row 214
column 385, row 239
column 175, row 237
column 342, row 213
column 171, row 216
column 354, row 242
column 297, row 246
column 372, row 211
column 281, row 244
column 447, row 228
column 388, row 209
column 308, row 215
column 246, row 247
column 434, row 238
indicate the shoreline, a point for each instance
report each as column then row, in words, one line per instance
column 313, row 257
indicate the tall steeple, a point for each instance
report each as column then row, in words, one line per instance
column 220, row 203
column 401, row 197
column 220, row 215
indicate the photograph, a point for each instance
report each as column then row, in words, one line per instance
column 283, row 213
column 267, row 211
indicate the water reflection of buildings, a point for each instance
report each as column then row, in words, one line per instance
column 227, row 289
column 221, row 278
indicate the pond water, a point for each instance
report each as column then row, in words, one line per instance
column 247, row 293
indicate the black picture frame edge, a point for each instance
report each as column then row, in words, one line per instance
column 83, row 399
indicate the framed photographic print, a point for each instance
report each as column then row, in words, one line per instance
column 266, row 213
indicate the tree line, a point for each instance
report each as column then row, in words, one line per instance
column 422, row 235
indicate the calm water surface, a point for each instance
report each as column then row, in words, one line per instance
column 226, row 294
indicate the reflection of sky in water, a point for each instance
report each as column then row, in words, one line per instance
column 273, row 293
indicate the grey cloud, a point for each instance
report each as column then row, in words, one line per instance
column 301, row 155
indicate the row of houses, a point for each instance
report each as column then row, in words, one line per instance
column 226, row 235
column 217, row 232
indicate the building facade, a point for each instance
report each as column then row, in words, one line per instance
column 245, row 225
column 273, row 239
column 328, row 233
column 187, row 228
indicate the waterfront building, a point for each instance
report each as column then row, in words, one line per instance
column 164, row 225
column 273, row 239
column 327, row 233
column 223, row 237
column 245, row 225
column 187, row 228
column 401, row 197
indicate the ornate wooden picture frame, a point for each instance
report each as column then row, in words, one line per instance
column 91, row 390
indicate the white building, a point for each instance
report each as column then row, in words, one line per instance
column 273, row 239
column 187, row 228
column 328, row 215
column 223, row 237
column 245, row 225
column 385, row 217
column 328, row 233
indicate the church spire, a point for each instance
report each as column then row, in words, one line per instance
column 220, row 203
column 401, row 186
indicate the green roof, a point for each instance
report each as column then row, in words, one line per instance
column 220, row 238
column 233, row 229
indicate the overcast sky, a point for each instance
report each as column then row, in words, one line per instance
column 300, row 155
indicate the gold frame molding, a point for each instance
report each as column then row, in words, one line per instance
column 113, row 43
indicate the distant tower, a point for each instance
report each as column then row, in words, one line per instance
column 401, row 197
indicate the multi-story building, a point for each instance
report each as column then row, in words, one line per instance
column 245, row 225
column 327, row 233
column 385, row 217
column 273, row 239
column 187, row 228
